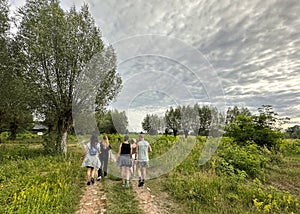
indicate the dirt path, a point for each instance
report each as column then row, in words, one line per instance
column 146, row 200
column 92, row 200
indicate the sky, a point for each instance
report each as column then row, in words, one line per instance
column 219, row 53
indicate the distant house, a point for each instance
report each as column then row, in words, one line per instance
column 39, row 129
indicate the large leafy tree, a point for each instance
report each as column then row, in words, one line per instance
column 59, row 46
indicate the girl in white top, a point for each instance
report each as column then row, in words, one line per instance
column 91, row 159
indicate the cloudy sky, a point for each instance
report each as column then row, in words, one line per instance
column 222, row 53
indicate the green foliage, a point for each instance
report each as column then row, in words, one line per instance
column 55, row 60
column 271, row 200
column 233, row 113
column 240, row 161
column 4, row 136
column 50, row 143
column 120, row 200
column 173, row 120
column 151, row 124
column 112, row 122
column 41, row 184
column 290, row 147
column 293, row 132
column 260, row 129
column 221, row 185
column 15, row 114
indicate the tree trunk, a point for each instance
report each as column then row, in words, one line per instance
column 62, row 134
column 13, row 131
column 63, row 144
column 186, row 133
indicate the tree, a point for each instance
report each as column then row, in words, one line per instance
column 195, row 119
column 205, row 119
column 151, row 124
column 293, row 132
column 186, row 119
column 16, row 96
column 261, row 129
column 112, row 122
column 173, row 120
column 58, row 47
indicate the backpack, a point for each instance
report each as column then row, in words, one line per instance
column 93, row 150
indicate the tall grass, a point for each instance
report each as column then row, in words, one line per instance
column 34, row 182
column 211, row 189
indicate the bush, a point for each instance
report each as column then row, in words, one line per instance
column 290, row 147
column 4, row 136
column 245, row 161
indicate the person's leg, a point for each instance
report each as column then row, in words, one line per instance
column 93, row 171
column 123, row 174
column 105, row 163
column 134, row 168
column 88, row 175
column 127, row 176
column 131, row 170
column 100, row 171
column 139, row 169
column 144, row 173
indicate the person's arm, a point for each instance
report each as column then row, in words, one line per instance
column 119, row 151
column 99, row 148
column 149, row 148
column 85, row 152
column 136, row 151
column 130, row 151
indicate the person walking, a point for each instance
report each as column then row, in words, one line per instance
column 91, row 159
column 142, row 155
column 133, row 168
column 104, row 155
column 124, row 161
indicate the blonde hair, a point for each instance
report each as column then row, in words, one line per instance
column 105, row 142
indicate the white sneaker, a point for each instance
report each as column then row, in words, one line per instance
column 99, row 178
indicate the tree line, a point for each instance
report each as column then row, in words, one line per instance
column 264, row 128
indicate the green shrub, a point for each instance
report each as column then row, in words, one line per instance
column 246, row 161
column 4, row 136
column 290, row 146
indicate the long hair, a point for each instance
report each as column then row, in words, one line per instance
column 105, row 142
column 94, row 141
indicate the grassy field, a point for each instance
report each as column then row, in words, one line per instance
column 235, row 180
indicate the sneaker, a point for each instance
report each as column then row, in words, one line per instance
column 127, row 184
column 99, row 178
column 92, row 181
column 122, row 184
column 88, row 183
column 141, row 183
